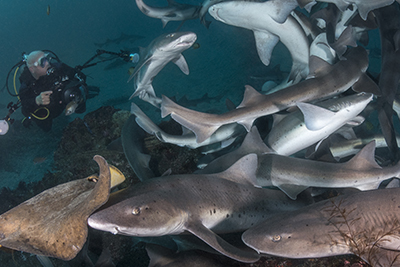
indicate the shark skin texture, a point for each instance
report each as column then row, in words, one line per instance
column 364, row 223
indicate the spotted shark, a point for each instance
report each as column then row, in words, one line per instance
column 323, row 85
column 163, row 49
column 204, row 205
column 271, row 22
column 173, row 12
column 364, row 223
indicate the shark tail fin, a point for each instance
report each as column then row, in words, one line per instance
column 143, row 121
column 195, row 121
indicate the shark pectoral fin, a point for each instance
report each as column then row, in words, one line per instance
column 291, row 190
column 370, row 186
column 145, row 160
column 265, row 42
column 315, row 117
column 182, row 64
column 367, row 85
column 227, row 142
column 220, row 244
column 164, row 22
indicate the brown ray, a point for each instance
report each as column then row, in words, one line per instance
column 54, row 222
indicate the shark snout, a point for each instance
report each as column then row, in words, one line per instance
column 187, row 39
column 213, row 10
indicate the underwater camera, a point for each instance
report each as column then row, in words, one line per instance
column 5, row 123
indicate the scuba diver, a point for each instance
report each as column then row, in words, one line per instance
column 47, row 88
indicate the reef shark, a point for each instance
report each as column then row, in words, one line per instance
column 254, row 105
column 204, row 205
column 271, row 22
column 293, row 175
column 173, row 12
column 364, row 223
column 163, row 49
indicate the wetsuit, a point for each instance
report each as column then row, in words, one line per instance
column 59, row 78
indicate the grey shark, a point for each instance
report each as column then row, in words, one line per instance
column 254, row 104
column 204, row 205
column 312, row 123
column 363, row 223
column 293, row 175
column 271, row 22
column 173, row 12
column 163, row 49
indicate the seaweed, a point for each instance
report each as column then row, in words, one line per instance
column 364, row 239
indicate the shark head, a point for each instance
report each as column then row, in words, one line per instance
column 303, row 235
column 218, row 11
column 141, row 215
column 176, row 42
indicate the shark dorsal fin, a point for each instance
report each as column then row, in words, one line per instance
column 364, row 159
column 315, row 117
column 251, row 97
column 253, row 143
column 242, row 171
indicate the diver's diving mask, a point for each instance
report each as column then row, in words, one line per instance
column 42, row 61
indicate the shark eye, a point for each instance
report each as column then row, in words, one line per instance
column 171, row 35
column 276, row 238
column 136, row 211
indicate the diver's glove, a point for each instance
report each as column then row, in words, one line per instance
column 43, row 98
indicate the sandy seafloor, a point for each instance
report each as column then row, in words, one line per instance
column 225, row 62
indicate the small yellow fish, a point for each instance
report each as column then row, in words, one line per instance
column 131, row 70
column 196, row 45
column 48, row 10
